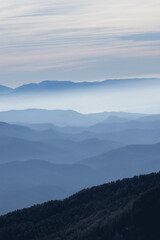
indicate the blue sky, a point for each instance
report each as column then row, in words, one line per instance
column 78, row 40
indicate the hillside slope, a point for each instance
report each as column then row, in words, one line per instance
column 122, row 210
column 5, row 90
column 127, row 157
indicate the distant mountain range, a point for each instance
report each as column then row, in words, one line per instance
column 127, row 161
column 51, row 154
column 87, row 97
column 5, row 90
column 46, row 86
column 63, row 117
column 53, row 149
column 34, row 177
column 36, row 181
column 58, row 161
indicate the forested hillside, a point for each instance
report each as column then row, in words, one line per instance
column 121, row 210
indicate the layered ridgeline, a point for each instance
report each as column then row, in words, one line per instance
column 122, row 210
column 64, row 118
column 43, row 161
column 111, row 95
column 5, row 90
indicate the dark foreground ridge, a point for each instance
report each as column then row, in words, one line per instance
column 121, row 210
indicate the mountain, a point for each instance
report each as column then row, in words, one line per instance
column 122, row 210
column 107, row 123
column 5, row 90
column 19, row 143
column 87, row 97
column 17, row 149
column 53, row 150
column 134, row 136
column 126, row 137
column 149, row 118
column 37, row 181
column 15, row 130
column 18, row 131
column 127, row 161
column 116, row 126
column 53, row 86
column 128, row 132
column 60, row 117
column 34, row 178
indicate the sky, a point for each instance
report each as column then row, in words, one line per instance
column 76, row 40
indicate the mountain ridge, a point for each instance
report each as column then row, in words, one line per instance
column 110, row 94
column 51, row 85
column 61, row 117
column 5, row 90
column 126, row 154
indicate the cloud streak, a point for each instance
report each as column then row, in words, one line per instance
column 39, row 35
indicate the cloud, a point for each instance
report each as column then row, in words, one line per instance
column 152, row 36
column 38, row 35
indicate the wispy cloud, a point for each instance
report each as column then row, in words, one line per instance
column 38, row 35
column 152, row 36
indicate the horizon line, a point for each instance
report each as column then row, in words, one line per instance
column 85, row 81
